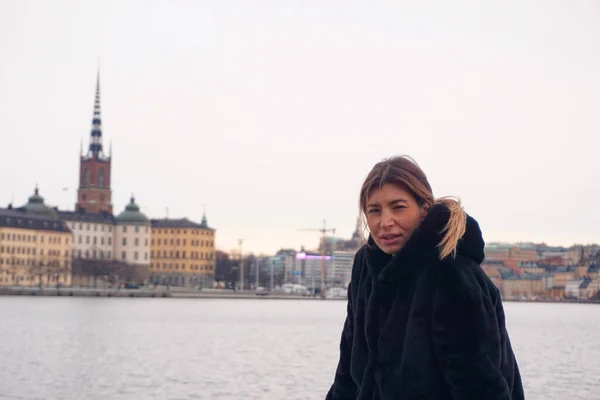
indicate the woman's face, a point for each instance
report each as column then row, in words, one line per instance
column 392, row 216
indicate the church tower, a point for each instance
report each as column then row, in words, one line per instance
column 94, row 194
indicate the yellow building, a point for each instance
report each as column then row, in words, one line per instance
column 182, row 253
column 501, row 252
column 35, row 246
column 528, row 287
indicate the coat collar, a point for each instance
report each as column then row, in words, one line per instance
column 422, row 247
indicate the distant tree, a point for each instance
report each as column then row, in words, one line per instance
column 223, row 265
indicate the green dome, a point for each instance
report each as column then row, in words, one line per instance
column 132, row 215
column 36, row 205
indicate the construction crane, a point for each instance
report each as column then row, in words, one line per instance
column 323, row 231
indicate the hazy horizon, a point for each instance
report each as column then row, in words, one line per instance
column 272, row 114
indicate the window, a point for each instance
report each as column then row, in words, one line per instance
column 87, row 239
column 95, row 240
column 183, row 254
column 177, row 242
column 145, row 255
column 135, row 255
column 101, row 254
column 86, row 180
column 79, row 239
column 109, row 241
column 109, row 255
column 94, row 254
column 88, row 227
column 146, row 242
column 87, row 254
column 124, row 229
column 101, row 240
column 124, row 241
column 137, row 229
column 137, row 241
column 101, row 178
column 110, row 228
column 95, row 227
column 123, row 255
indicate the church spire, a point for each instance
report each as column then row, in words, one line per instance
column 96, row 133
column 204, row 220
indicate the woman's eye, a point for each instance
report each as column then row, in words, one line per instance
column 399, row 207
column 373, row 210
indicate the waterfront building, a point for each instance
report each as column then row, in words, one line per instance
column 590, row 289
column 283, row 267
column 529, row 286
column 35, row 245
column 562, row 275
column 310, row 266
column 132, row 235
column 572, row 287
column 341, row 270
column 514, row 252
column 92, row 234
column 182, row 252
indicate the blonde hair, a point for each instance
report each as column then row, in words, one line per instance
column 404, row 171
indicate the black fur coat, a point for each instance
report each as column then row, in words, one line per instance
column 421, row 328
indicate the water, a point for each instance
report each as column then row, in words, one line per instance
column 80, row 348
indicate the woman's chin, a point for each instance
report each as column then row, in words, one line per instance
column 392, row 250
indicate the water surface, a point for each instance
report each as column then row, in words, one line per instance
column 126, row 349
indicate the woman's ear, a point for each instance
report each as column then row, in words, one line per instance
column 424, row 211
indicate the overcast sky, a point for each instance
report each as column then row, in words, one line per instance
column 272, row 112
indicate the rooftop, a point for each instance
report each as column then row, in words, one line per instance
column 22, row 219
column 81, row 216
column 177, row 223
column 132, row 215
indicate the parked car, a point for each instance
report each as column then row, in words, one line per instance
column 262, row 291
column 132, row 285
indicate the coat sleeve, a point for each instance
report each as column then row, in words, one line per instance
column 343, row 387
column 462, row 331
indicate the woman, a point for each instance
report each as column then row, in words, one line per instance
column 424, row 321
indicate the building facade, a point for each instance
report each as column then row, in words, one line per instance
column 341, row 270
column 92, row 234
column 132, row 236
column 35, row 246
column 182, row 253
column 310, row 266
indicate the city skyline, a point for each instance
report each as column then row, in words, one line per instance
column 271, row 116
